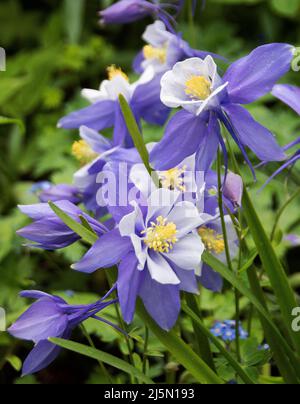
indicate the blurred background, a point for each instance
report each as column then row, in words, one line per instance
column 55, row 48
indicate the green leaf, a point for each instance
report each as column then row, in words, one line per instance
column 15, row 362
column 272, row 265
column 78, row 228
column 180, row 350
column 233, row 362
column 236, row 282
column 74, row 11
column 104, row 357
column 135, row 133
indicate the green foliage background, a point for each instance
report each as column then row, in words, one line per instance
column 56, row 47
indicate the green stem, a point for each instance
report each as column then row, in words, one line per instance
column 202, row 342
column 145, row 350
column 228, row 257
column 102, row 367
column 281, row 211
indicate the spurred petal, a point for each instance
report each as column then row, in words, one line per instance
column 106, row 252
column 290, row 95
column 187, row 252
column 253, row 135
column 255, row 75
column 183, row 135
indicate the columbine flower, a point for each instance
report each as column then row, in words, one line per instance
column 48, row 231
column 94, row 150
column 61, row 192
column 206, row 99
column 105, row 112
column 127, row 11
column 50, row 317
column 288, row 94
column 163, row 49
column 226, row 331
column 158, row 249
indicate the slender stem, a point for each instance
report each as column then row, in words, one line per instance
column 228, row 258
column 101, row 364
column 145, row 350
column 282, row 210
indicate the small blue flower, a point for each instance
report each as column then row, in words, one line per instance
column 40, row 186
column 226, row 331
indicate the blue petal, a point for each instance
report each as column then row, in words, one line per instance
column 161, row 301
column 208, row 148
column 253, row 135
column 97, row 116
column 146, row 101
column 290, row 95
column 210, row 279
column 129, row 281
column 255, row 75
column 105, row 253
column 182, row 138
column 42, row 355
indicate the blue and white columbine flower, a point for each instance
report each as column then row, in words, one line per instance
column 207, row 99
column 163, row 49
column 158, row 250
column 105, row 112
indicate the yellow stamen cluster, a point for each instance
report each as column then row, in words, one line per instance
column 213, row 241
column 113, row 71
column 198, row 87
column 83, row 152
column 150, row 52
column 172, row 179
column 161, row 236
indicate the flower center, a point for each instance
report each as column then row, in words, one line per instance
column 83, row 152
column 172, row 179
column 150, row 52
column 161, row 236
column 198, row 87
column 213, row 241
column 114, row 71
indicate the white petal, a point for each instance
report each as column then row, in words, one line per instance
column 187, row 252
column 156, row 34
column 140, row 177
column 92, row 96
column 160, row 202
column 127, row 225
column 186, row 217
column 161, row 271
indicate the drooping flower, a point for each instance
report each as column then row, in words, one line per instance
column 105, row 112
column 208, row 99
column 51, row 317
column 48, row 231
column 61, row 192
column 158, row 250
column 227, row 332
column 127, row 11
column 288, row 94
column 163, row 49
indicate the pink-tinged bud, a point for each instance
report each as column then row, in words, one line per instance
column 233, row 188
